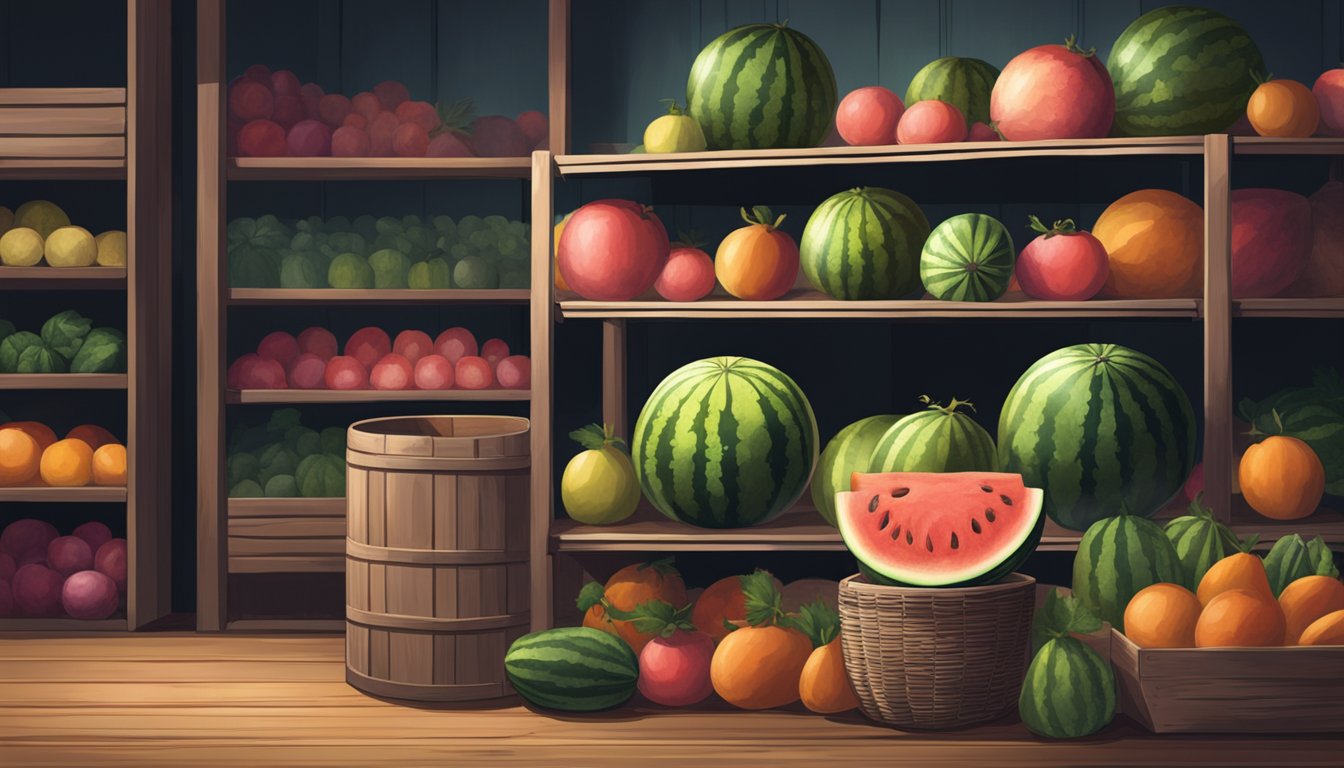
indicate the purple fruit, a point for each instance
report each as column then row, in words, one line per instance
column 69, row 554
column 23, row 536
column 7, row 566
column 111, row 562
column 499, row 136
column 95, row 534
column 90, row 595
column 37, row 591
column 6, row 600
column 309, row 138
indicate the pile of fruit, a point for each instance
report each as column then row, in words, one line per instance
column 46, row 575
column 755, row 644
column 39, row 230
column 1299, row 455
column 284, row 459
column 373, row 360
column 271, row 114
column 66, row 343
column 30, row 454
column 388, row 252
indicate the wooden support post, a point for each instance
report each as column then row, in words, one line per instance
column 1218, row 325
column 542, row 346
column 614, row 407
column 558, row 72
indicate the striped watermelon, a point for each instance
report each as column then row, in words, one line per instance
column 864, row 244
column 1182, row 70
column 964, row 83
column 1069, row 690
column 762, row 86
column 937, row 439
column 850, row 451
column 968, row 258
column 574, row 669
column 1199, row 541
column 1102, row 429
column 1118, row 557
column 724, row 443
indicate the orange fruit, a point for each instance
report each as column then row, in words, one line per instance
column 760, row 667
column 824, row 685
column 630, row 587
column 67, row 463
column 1239, row 618
column 1308, row 599
column 1327, row 630
column 721, row 601
column 109, row 465
column 36, row 429
column 1162, row 616
column 96, row 437
column 1240, row 571
column 1282, row 478
column 1155, row 242
column 19, row 457
column 1284, row 109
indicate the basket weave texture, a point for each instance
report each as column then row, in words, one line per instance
column 936, row 659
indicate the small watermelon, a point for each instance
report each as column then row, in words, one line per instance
column 1182, row 70
column 725, row 442
column 1199, row 540
column 572, row 669
column 1117, row 557
column 1069, row 689
column 937, row 439
column 762, row 86
column 962, row 82
column 968, row 258
column 850, row 451
column 931, row 529
column 864, row 244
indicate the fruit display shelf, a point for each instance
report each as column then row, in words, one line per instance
column 398, row 296
column 86, row 494
column 1304, row 307
column 1326, row 522
column 369, row 168
column 276, row 396
column 33, row 381
column 1263, row 145
column 66, row 279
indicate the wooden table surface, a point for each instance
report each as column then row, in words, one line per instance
column 189, row 700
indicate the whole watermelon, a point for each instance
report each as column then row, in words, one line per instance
column 850, row 451
column 1069, row 690
column 1118, row 557
column 1182, row 70
column 762, row 86
column 725, row 442
column 572, row 669
column 962, row 82
column 1102, row 429
column 969, row 257
column 937, row 439
column 1199, row 541
column 864, row 244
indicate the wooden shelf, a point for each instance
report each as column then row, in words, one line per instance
column 283, row 296
column 356, row 168
column 63, row 381
column 62, row 278
column 246, row 396
column 62, row 169
column 1323, row 307
column 1262, row 145
column 89, row 493
column 63, row 625
column 1326, row 522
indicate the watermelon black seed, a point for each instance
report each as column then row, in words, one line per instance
column 954, row 541
column 989, row 515
column 872, row 505
column 908, row 538
column 928, row 542
column 899, row 492
column 896, row 532
column 886, row 518
column 1007, row 501
column 986, row 489
column 975, row 525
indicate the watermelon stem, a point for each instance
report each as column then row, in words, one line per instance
column 1061, row 227
column 950, row 408
column 1071, row 43
column 762, row 215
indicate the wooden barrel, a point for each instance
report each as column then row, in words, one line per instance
column 436, row 554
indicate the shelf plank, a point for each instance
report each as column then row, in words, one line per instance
column 262, row 508
column 1264, row 145
column 69, row 97
column 62, row 278
column 354, row 168
column 1326, row 522
column 63, row 381
column 248, row 396
column 63, row 625
column 87, row 494
column 30, row 168
column 1314, row 307
column 282, row 296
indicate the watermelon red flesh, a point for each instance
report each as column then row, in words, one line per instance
column 929, row 529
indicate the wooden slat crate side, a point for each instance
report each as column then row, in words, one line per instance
column 41, row 97
column 286, row 564
column 62, row 121
column 287, row 527
column 48, row 147
column 306, row 546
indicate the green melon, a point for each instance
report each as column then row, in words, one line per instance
column 1069, row 690
column 969, row 257
column 725, row 442
column 850, row 451
column 573, row 669
column 864, row 243
column 962, row 82
column 762, row 86
column 937, row 439
column 1101, row 428
column 1118, row 557
column 1199, row 541
column 1182, row 70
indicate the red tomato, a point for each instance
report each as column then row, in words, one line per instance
column 612, row 250
column 1053, row 92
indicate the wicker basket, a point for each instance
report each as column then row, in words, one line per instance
column 936, row 659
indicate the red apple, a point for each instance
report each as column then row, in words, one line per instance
column 392, row 372
column 473, row 372
column 391, row 94
column 94, row 533
column 250, row 100
column 345, row 372
column 111, row 562
column 318, row 341
column 455, row 343
column 279, row 346
column 309, row 138
column 37, row 591
column 308, row 371
column 68, row 554
column 514, row 372
column 868, row 116
column 494, row 350
column 90, row 595
column 413, row 345
column 368, row 345
column 931, row 122
column 612, row 250
column 433, row 372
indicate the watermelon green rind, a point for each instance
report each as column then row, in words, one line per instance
column 1009, row 565
column 1182, row 70
column 762, row 86
column 1198, row 544
column 935, row 440
column 850, row 451
column 1068, row 692
column 574, row 669
column 969, row 257
column 725, row 442
column 962, row 82
column 1116, row 558
column 863, row 244
column 1102, row 429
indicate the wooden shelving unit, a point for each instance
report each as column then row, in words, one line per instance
column 99, row 134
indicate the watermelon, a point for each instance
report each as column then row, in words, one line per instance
column 573, row 669
column 937, row 439
column 1117, row 557
column 1199, row 540
column 762, row 86
column 930, row 529
column 1069, row 690
column 725, row 442
column 1101, row 428
column 962, row 82
column 864, row 244
column 968, row 258
column 850, row 451
column 1182, row 70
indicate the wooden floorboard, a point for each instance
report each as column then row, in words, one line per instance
column 193, row 700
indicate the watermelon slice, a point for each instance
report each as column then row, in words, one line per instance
column 928, row 529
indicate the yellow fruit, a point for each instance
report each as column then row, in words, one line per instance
column 67, row 463
column 111, row 248
column 43, row 215
column 71, row 247
column 674, row 132
column 1308, row 599
column 1162, row 616
column 21, row 247
column 18, row 457
column 109, row 465
column 1327, row 630
column 6, row 219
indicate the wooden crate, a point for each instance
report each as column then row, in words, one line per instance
column 45, row 124
column 1230, row 690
